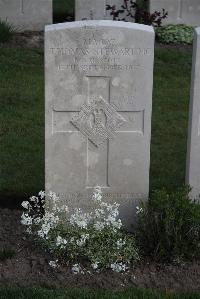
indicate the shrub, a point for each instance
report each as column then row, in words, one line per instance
column 169, row 226
column 138, row 11
column 92, row 240
column 175, row 34
column 6, row 31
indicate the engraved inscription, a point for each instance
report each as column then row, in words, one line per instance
column 106, row 51
column 100, row 67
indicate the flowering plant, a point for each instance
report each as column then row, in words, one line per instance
column 93, row 239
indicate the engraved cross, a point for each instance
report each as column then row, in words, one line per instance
column 132, row 122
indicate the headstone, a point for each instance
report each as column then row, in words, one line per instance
column 99, row 77
column 179, row 11
column 27, row 14
column 193, row 161
column 95, row 9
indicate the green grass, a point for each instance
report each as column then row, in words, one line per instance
column 91, row 294
column 170, row 118
column 22, row 120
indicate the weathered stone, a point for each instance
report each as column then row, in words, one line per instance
column 99, row 77
column 193, row 161
column 27, row 14
column 179, row 11
column 95, row 9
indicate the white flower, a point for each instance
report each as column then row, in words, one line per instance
column 99, row 225
column 25, row 205
column 26, row 219
column 83, row 239
column 34, row 199
column 118, row 267
column 120, row 243
column 42, row 194
column 95, row 265
column 97, row 194
column 37, row 220
column 76, row 269
column 139, row 210
column 61, row 242
column 54, row 264
column 80, row 219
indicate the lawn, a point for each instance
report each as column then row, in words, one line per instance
column 22, row 121
column 91, row 294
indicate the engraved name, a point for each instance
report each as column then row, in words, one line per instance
column 114, row 51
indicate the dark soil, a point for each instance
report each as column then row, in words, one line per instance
column 29, row 267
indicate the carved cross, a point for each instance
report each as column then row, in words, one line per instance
column 123, row 121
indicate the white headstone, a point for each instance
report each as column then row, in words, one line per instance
column 99, row 77
column 179, row 11
column 193, row 161
column 27, row 14
column 95, row 9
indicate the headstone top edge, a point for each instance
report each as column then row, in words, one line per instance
column 103, row 23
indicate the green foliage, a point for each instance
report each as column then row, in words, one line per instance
column 6, row 31
column 175, row 34
column 169, row 226
column 100, row 248
column 6, row 254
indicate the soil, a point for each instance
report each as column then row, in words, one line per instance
column 29, row 267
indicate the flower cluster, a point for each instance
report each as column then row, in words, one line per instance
column 94, row 238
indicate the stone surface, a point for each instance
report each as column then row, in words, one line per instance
column 193, row 161
column 99, row 77
column 95, row 9
column 180, row 11
column 27, row 14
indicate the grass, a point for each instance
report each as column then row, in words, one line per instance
column 22, row 121
column 91, row 294
column 170, row 118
